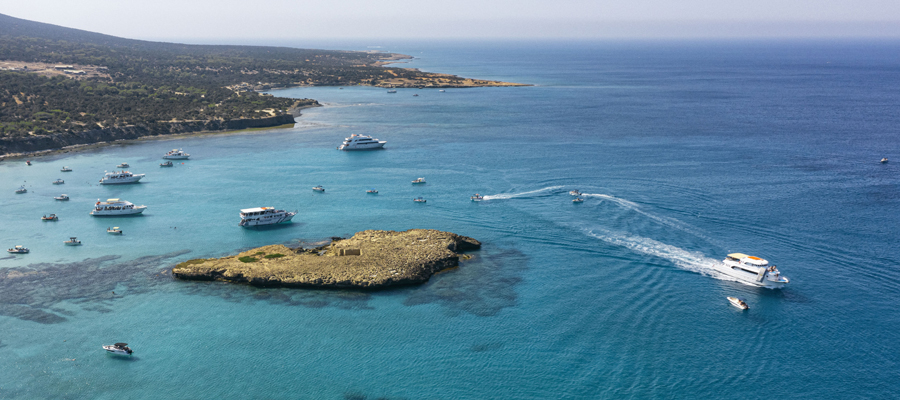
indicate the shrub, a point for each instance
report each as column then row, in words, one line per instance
column 247, row 259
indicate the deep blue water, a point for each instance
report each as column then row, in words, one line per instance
column 686, row 151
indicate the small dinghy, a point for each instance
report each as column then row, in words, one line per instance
column 21, row 189
column 418, row 181
column 51, row 217
column 119, row 348
column 419, row 200
column 166, row 164
column 123, row 165
column 114, row 230
column 319, row 188
column 477, row 197
column 59, row 182
column 739, row 303
column 18, row 250
column 575, row 193
column 577, row 200
column 73, row 241
column 372, row 191
column 884, row 160
column 62, row 197
column 65, row 169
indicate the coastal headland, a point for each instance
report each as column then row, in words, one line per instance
column 371, row 259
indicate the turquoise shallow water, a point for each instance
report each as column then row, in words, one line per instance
column 686, row 152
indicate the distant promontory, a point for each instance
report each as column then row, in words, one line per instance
column 370, row 259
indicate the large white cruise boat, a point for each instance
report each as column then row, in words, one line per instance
column 752, row 271
column 115, row 178
column 264, row 216
column 177, row 154
column 361, row 142
column 114, row 207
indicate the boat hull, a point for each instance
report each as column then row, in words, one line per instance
column 263, row 220
column 134, row 179
column 748, row 278
column 368, row 146
column 117, row 213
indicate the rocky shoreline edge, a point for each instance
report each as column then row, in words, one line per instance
column 372, row 259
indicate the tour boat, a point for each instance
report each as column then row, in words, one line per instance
column 361, row 142
column 59, row 182
column 264, row 216
column 739, row 303
column 115, row 178
column 372, row 191
column 114, row 207
column 66, row 169
column 176, row 154
column 18, row 250
column 21, row 189
column 123, row 165
column 114, row 230
column 392, row 91
column 752, row 271
column 419, row 200
column 63, row 197
column 477, row 197
column 577, row 200
column 51, row 217
column 166, row 164
column 418, row 181
column 119, row 348
column 73, row 241
column 319, row 188
column 884, row 160
column 575, row 193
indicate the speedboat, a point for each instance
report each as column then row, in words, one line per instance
column 119, row 348
column 63, row 197
column 753, row 271
column 392, row 91
column 419, row 200
column 372, row 191
column 115, row 207
column 18, row 250
column 59, row 182
column 114, row 230
column 66, row 169
column 442, row 90
column 575, row 193
column 21, row 189
column 122, row 165
column 166, row 164
column 264, row 216
column 73, row 241
column 739, row 303
column 884, row 160
column 477, row 197
column 319, row 188
column 418, row 181
column 51, row 217
column 577, row 200
column 115, row 178
column 27, row 162
column 361, row 142
column 176, row 154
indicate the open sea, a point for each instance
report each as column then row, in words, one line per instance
column 685, row 152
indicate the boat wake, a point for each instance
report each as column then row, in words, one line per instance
column 670, row 222
column 505, row 196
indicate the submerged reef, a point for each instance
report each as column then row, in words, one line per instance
column 371, row 259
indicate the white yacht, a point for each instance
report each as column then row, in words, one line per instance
column 66, row 169
column 18, row 250
column 119, row 348
column 21, row 189
column 176, row 154
column 264, row 216
column 361, row 142
column 113, row 207
column 115, row 178
column 752, row 271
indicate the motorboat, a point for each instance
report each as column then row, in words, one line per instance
column 118, row 348
column 739, row 303
column 166, row 164
column 416, row 95
column 372, row 191
column 18, row 250
column 73, row 241
column 21, row 189
column 264, row 216
column 115, row 207
column 392, row 91
column 361, row 142
column 63, row 197
column 51, row 217
column 577, row 200
column 59, row 182
column 442, row 90
column 114, row 230
column 121, row 177
column 65, row 169
column 176, row 154
column 884, row 160
column 477, row 197
column 123, row 165
column 318, row 188
column 27, row 162
column 575, row 193
column 753, row 271
column 419, row 200
column 418, row 181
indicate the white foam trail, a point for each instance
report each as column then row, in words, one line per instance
column 621, row 202
column 504, row 196
column 670, row 222
column 688, row 260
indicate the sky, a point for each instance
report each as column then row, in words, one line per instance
column 207, row 20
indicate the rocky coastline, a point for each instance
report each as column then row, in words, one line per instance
column 371, row 259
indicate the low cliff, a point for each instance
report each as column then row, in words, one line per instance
column 369, row 260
